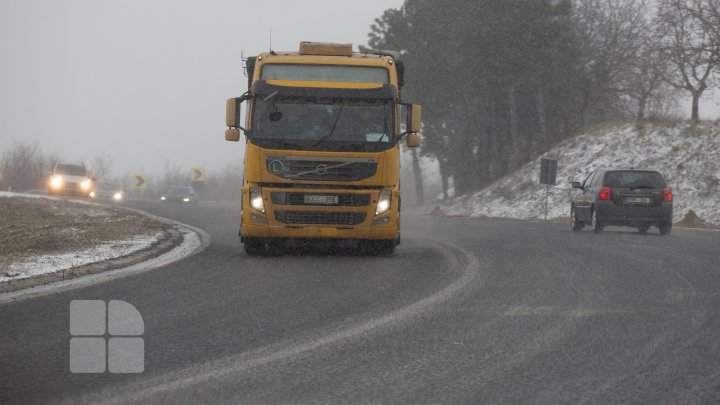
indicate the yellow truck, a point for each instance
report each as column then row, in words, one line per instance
column 322, row 155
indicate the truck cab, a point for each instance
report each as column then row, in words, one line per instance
column 322, row 155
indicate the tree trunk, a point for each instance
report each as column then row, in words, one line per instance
column 444, row 177
column 544, row 143
column 641, row 107
column 695, row 116
column 514, row 131
column 417, row 173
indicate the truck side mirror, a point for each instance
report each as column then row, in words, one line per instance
column 413, row 140
column 232, row 112
column 232, row 134
column 415, row 118
column 232, row 118
column 576, row 184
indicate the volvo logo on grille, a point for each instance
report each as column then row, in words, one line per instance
column 276, row 167
column 321, row 169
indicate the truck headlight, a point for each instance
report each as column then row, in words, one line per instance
column 92, row 194
column 256, row 199
column 383, row 203
column 56, row 182
column 117, row 196
column 85, row 185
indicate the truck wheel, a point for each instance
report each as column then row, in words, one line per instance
column 254, row 247
column 643, row 228
column 378, row 247
column 665, row 228
column 276, row 247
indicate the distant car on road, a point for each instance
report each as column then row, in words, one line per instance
column 108, row 191
column 181, row 194
column 72, row 179
column 625, row 197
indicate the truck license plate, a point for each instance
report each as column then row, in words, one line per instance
column 638, row 200
column 321, row 199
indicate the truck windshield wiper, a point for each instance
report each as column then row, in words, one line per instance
column 337, row 118
column 385, row 128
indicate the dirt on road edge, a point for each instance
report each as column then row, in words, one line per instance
column 169, row 236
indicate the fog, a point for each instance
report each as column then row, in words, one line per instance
column 145, row 82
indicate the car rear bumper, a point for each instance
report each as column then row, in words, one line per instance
column 611, row 214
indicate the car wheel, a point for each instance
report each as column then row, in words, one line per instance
column 596, row 225
column 575, row 225
column 665, row 228
column 643, row 228
column 254, row 247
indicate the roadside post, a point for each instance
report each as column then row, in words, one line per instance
column 548, row 173
column 197, row 179
column 140, row 183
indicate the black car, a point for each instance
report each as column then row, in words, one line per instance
column 181, row 194
column 625, row 197
column 108, row 191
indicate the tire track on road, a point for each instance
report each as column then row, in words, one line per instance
column 143, row 390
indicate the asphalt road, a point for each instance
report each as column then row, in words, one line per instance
column 466, row 311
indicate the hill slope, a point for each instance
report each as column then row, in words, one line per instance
column 689, row 157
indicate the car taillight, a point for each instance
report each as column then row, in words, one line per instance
column 606, row 193
column 667, row 194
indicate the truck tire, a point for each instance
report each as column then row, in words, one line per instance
column 665, row 228
column 378, row 247
column 253, row 246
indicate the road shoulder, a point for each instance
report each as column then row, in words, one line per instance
column 171, row 241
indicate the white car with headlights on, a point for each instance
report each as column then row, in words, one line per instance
column 72, row 179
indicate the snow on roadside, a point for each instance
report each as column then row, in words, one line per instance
column 689, row 157
column 58, row 262
column 95, row 210
column 58, row 234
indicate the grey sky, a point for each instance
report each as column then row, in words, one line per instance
column 146, row 81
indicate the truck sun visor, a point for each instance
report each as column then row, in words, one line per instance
column 385, row 92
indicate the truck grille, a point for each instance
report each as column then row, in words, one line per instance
column 348, row 200
column 332, row 169
column 320, row 218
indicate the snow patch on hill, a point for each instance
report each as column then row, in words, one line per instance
column 688, row 155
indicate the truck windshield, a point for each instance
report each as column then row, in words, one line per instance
column 317, row 123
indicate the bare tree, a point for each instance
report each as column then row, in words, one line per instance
column 611, row 36
column 708, row 13
column 687, row 43
column 24, row 166
column 100, row 166
column 643, row 74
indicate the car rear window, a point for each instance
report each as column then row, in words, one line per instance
column 634, row 179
